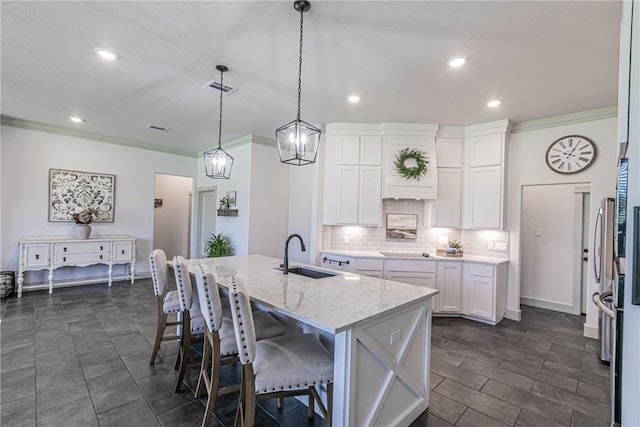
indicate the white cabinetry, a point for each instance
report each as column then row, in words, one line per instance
column 450, row 286
column 484, row 291
column 364, row 266
column 485, row 171
column 447, row 208
column 421, row 273
column 50, row 253
column 353, row 174
column 398, row 136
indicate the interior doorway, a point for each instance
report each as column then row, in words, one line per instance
column 205, row 219
column 554, row 232
column 172, row 215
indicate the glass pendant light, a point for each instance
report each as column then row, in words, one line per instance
column 298, row 140
column 217, row 162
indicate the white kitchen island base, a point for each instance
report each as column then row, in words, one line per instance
column 380, row 383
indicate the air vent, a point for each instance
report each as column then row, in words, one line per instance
column 226, row 90
column 158, row 128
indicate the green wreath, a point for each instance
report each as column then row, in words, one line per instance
column 415, row 171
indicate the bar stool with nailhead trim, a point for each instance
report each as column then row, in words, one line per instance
column 290, row 365
column 167, row 300
column 220, row 346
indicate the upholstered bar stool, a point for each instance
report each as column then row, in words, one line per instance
column 220, row 345
column 192, row 325
column 167, row 300
column 290, row 365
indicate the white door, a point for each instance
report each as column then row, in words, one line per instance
column 205, row 219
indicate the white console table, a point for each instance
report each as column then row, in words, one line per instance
column 51, row 252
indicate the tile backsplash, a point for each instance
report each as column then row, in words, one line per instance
column 357, row 238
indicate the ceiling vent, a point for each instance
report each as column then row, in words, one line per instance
column 226, row 90
column 158, row 128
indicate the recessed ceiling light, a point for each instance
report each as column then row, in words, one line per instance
column 105, row 54
column 494, row 103
column 353, row 99
column 457, row 61
column 75, row 119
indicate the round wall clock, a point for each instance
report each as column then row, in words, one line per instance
column 571, row 154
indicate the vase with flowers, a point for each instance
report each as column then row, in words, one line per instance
column 83, row 218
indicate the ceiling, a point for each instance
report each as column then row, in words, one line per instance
column 541, row 59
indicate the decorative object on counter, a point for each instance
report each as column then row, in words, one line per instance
column 453, row 249
column 571, row 154
column 218, row 245
column 217, row 162
column 83, row 218
column 411, row 163
column 73, row 190
column 231, row 198
column 298, row 140
column 402, row 226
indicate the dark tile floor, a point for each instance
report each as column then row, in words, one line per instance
column 80, row 357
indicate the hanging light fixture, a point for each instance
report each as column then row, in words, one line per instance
column 217, row 162
column 298, row 140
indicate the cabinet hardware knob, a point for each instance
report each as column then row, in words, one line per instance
column 101, row 248
column 586, row 250
column 100, row 256
column 123, row 252
column 64, row 249
column 64, row 259
column 37, row 256
column 585, row 259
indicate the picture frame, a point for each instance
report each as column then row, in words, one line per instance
column 402, row 226
column 71, row 191
column 231, row 198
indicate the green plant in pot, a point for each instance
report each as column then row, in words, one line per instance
column 218, row 245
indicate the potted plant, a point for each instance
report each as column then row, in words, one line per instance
column 218, row 245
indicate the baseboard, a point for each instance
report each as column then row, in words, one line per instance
column 548, row 305
column 513, row 314
column 591, row 331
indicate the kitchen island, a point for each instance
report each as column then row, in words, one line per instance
column 379, row 332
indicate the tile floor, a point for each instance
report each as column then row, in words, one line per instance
column 80, row 357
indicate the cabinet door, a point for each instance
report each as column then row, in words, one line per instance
column 428, row 280
column 370, row 212
column 479, row 296
column 485, row 150
column 484, row 197
column 36, row 255
column 449, row 284
column 370, row 151
column 446, row 208
column 122, row 251
column 348, row 198
column 348, row 147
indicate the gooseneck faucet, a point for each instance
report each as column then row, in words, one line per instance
column 285, row 264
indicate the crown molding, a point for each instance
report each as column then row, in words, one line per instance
column 566, row 119
column 58, row 130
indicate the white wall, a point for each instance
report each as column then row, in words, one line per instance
column 528, row 167
column 28, row 155
column 171, row 220
column 548, row 238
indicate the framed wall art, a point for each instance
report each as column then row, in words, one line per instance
column 72, row 191
column 231, row 198
column 402, row 226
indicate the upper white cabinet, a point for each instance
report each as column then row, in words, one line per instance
column 353, row 175
column 485, row 154
column 447, row 208
column 398, row 136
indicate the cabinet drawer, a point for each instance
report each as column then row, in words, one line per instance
column 122, row 251
column 95, row 257
column 81, row 247
column 36, row 256
column 483, row 270
column 410, row 265
column 369, row 264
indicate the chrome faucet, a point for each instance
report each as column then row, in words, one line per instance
column 285, row 264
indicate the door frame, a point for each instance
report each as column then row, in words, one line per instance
column 196, row 241
column 581, row 229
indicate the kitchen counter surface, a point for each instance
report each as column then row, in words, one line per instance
column 415, row 255
column 332, row 304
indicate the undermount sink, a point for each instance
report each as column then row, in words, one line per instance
column 308, row 272
column 405, row 254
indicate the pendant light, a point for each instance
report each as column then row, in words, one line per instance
column 217, row 162
column 298, row 140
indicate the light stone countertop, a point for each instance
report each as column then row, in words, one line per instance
column 332, row 304
column 432, row 256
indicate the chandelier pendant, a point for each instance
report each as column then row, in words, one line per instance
column 217, row 162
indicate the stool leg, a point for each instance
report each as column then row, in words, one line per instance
column 185, row 347
column 214, row 380
column 310, row 408
column 328, row 419
column 162, row 321
column 204, row 367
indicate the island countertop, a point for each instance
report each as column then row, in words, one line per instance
column 332, row 304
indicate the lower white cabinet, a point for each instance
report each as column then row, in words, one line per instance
column 414, row 272
column 427, row 280
column 450, row 287
column 484, row 291
column 52, row 252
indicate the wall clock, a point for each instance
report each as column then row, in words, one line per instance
column 571, row 154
